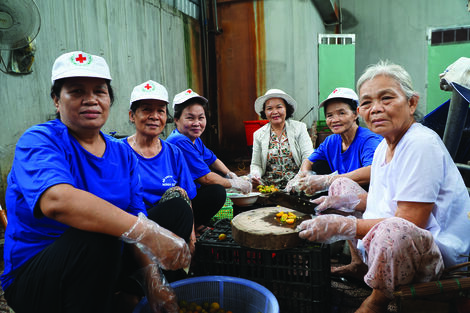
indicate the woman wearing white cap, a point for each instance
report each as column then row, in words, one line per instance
column 167, row 184
column 416, row 217
column 190, row 117
column 347, row 152
column 280, row 146
column 73, row 193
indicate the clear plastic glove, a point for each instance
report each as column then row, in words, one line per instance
column 241, row 184
column 255, row 178
column 328, row 228
column 160, row 296
column 231, row 175
column 159, row 244
column 293, row 185
column 457, row 72
column 312, row 183
column 345, row 203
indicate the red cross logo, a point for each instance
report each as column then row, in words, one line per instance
column 80, row 58
column 148, row 87
column 188, row 91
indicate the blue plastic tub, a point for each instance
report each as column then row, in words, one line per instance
column 232, row 293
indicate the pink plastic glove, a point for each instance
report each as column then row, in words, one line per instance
column 241, row 184
column 314, row 183
column 161, row 245
column 345, row 203
column 160, row 296
column 328, row 228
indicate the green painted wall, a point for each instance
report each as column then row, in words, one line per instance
column 439, row 57
column 336, row 68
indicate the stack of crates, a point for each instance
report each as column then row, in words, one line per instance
column 298, row 277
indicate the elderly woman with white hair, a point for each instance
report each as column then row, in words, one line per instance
column 415, row 219
column 280, row 146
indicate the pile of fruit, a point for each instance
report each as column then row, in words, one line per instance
column 286, row 218
column 267, row 189
column 193, row 307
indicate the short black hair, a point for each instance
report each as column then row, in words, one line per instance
column 179, row 108
column 350, row 102
column 289, row 110
column 136, row 104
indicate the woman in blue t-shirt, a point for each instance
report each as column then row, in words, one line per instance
column 166, row 181
column 209, row 173
column 73, row 193
column 348, row 151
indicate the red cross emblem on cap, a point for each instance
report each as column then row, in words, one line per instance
column 148, row 86
column 80, row 58
column 188, row 91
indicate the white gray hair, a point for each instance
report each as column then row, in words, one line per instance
column 395, row 71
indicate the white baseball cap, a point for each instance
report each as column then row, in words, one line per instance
column 274, row 93
column 79, row 64
column 149, row 90
column 185, row 96
column 341, row 93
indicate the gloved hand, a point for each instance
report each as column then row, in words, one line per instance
column 328, row 228
column 314, row 183
column 345, row 203
column 255, row 178
column 293, row 185
column 457, row 72
column 241, row 184
column 160, row 296
column 231, row 175
column 161, row 245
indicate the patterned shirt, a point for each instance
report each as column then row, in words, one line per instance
column 280, row 167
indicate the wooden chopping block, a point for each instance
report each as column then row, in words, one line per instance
column 259, row 229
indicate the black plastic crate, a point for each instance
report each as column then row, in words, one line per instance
column 298, row 277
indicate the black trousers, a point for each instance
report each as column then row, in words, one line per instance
column 81, row 271
column 208, row 201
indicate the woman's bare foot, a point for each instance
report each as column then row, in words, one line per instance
column 356, row 268
column 377, row 302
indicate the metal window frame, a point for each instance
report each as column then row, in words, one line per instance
column 337, row 39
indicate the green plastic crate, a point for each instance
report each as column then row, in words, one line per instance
column 225, row 212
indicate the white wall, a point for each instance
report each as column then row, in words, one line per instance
column 292, row 52
column 396, row 30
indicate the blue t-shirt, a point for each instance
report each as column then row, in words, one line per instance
column 165, row 170
column 359, row 154
column 197, row 155
column 47, row 155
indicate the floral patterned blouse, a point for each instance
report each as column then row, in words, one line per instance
column 280, row 167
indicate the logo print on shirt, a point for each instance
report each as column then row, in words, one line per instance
column 169, row 181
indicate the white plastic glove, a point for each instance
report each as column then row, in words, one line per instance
column 345, row 203
column 314, row 183
column 328, row 228
column 161, row 245
column 160, row 296
column 241, row 184
column 457, row 72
